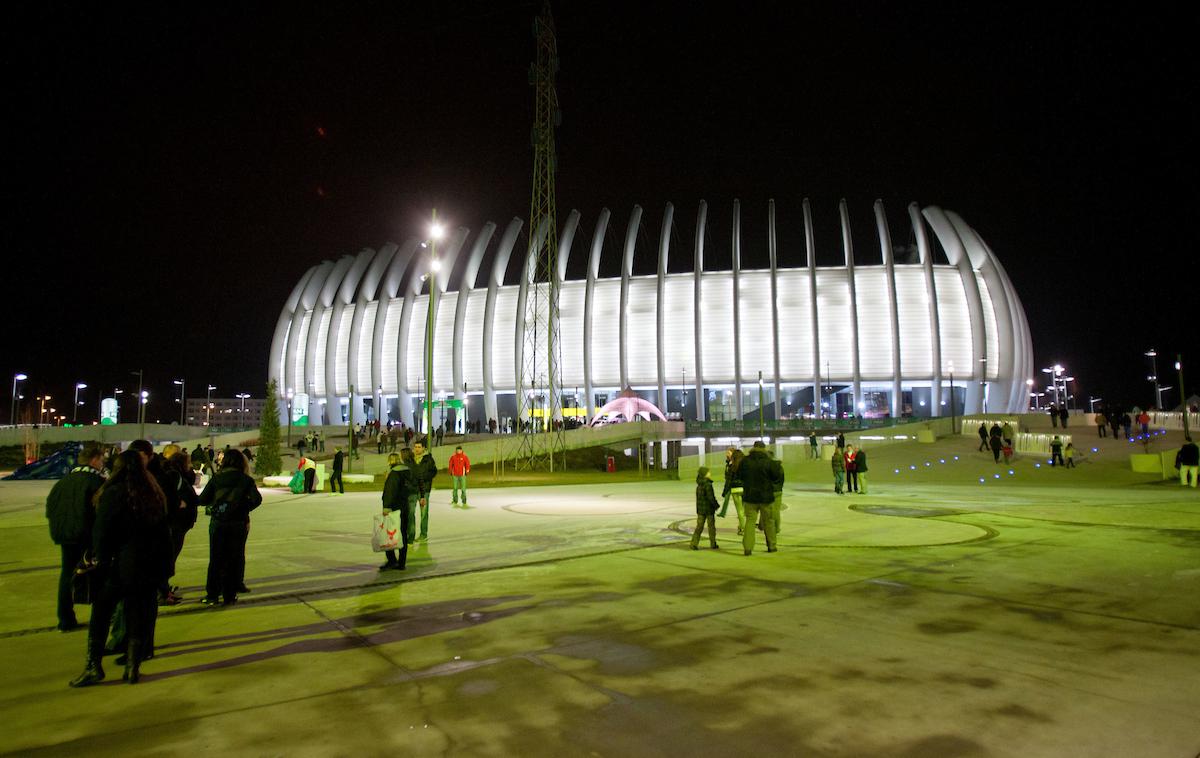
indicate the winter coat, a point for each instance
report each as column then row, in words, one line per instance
column 860, row 461
column 759, row 474
column 733, row 479
column 425, row 471
column 400, row 484
column 338, row 457
column 69, row 506
column 839, row 463
column 230, row 496
column 138, row 552
column 182, row 500
column 706, row 501
column 1189, row 455
column 851, row 464
column 460, row 464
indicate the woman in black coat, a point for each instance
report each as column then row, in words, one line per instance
column 132, row 545
column 228, row 498
column 398, row 492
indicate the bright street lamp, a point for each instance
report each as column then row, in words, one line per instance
column 1152, row 354
column 12, row 416
column 75, row 411
column 242, row 413
column 182, row 397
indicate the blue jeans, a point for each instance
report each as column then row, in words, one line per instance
column 459, row 483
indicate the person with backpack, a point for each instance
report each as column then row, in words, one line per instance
column 228, row 498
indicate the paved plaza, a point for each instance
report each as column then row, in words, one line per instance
column 1042, row 613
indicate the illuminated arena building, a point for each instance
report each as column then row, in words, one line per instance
column 885, row 338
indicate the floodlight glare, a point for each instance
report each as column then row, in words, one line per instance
column 437, row 231
column 20, row 377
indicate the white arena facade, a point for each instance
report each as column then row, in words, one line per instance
column 875, row 339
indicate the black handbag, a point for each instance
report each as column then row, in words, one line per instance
column 83, row 587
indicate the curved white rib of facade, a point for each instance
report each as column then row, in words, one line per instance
column 344, row 321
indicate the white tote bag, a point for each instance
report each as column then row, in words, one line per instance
column 386, row 535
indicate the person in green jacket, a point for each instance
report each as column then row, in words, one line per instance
column 706, row 509
column 71, row 514
column 839, row 470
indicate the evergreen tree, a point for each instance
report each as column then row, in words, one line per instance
column 267, row 462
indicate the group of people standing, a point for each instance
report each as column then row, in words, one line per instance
column 121, row 526
column 409, row 481
column 849, row 468
column 754, row 482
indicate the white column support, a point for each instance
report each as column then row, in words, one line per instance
column 324, row 303
column 346, row 294
column 698, row 331
column 499, row 264
column 368, row 291
column 935, row 329
column 389, row 281
column 446, row 260
column 664, row 245
column 308, row 301
column 593, row 270
column 811, row 248
column 848, row 249
column 772, row 252
column 635, row 221
column 1024, row 367
column 465, row 287
column 958, row 258
column 276, row 363
column 736, row 248
column 889, row 264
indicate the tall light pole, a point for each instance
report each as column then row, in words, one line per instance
column 290, row 394
column 143, row 398
column 75, row 407
column 42, row 406
column 1029, row 388
column 1152, row 354
column 182, row 397
column 12, row 416
column 983, row 383
column 1182, row 393
column 242, row 412
column 436, row 231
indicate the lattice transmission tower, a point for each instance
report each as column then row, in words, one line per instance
column 539, row 393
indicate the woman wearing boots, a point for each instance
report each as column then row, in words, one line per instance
column 396, row 497
column 133, row 548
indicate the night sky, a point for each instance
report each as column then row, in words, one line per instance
column 171, row 171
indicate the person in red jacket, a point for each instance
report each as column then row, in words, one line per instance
column 460, row 466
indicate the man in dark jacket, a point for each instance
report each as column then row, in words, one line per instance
column 426, row 470
column 860, row 461
column 71, row 513
column 759, row 474
column 335, row 479
column 1188, row 461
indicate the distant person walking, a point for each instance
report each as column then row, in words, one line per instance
column 1064, row 414
column 759, row 474
column 1143, row 420
column 983, row 437
column 71, row 513
column 1114, row 420
column 1069, row 455
column 996, row 444
column 1188, row 460
column 725, row 490
column 1101, row 424
column 860, row 463
column 335, row 478
column 706, row 509
column 813, row 451
column 1056, row 448
column 839, row 470
column 1127, row 425
column 1053, row 415
column 460, row 466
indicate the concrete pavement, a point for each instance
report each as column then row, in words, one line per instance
column 1043, row 613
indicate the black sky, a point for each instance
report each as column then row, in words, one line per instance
column 166, row 180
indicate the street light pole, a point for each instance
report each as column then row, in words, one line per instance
column 141, row 416
column 208, row 413
column 289, row 432
column 761, row 434
column 242, row 412
column 182, row 397
column 1182, row 394
column 1153, row 355
column 435, row 233
column 75, row 407
column 12, row 416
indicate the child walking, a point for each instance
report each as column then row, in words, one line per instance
column 706, row 508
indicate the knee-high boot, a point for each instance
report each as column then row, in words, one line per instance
column 133, row 662
column 93, row 672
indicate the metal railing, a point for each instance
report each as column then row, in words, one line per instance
column 751, row 426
